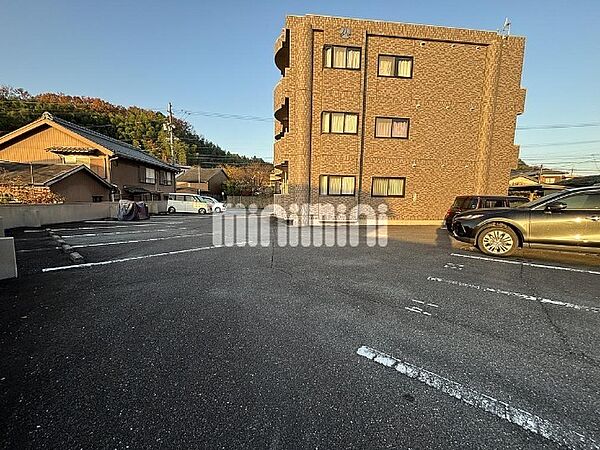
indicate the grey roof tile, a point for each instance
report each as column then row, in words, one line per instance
column 119, row 148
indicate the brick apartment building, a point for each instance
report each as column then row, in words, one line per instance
column 369, row 112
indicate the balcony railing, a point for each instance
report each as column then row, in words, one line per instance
column 282, row 55
column 283, row 117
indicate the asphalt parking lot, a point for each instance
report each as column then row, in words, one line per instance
column 164, row 337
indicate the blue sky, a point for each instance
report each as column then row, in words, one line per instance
column 217, row 56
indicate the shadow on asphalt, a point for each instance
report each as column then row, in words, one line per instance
column 440, row 238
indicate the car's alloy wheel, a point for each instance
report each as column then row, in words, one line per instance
column 171, row 210
column 497, row 241
column 201, row 211
column 217, row 209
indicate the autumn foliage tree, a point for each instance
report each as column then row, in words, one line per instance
column 248, row 179
column 140, row 127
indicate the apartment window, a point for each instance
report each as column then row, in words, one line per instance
column 166, row 178
column 339, row 122
column 147, row 175
column 337, row 185
column 395, row 66
column 388, row 127
column 388, row 187
column 337, row 57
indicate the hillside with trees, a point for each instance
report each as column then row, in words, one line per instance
column 140, row 127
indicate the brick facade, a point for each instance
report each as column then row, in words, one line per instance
column 462, row 102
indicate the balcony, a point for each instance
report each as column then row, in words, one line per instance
column 283, row 117
column 282, row 53
column 279, row 178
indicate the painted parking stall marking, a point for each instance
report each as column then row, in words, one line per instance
column 515, row 294
column 135, row 258
column 40, row 249
column 162, row 230
column 454, row 266
column 136, row 241
column 420, row 309
column 528, row 264
column 524, row 419
column 111, row 226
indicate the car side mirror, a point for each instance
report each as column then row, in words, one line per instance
column 555, row 207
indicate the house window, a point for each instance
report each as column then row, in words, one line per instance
column 395, row 66
column 388, row 187
column 387, row 127
column 337, row 57
column 166, row 178
column 147, row 175
column 337, row 185
column 339, row 122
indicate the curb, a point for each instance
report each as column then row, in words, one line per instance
column 66, row 248
column 76, row 257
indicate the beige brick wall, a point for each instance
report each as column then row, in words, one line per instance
column 462, row 103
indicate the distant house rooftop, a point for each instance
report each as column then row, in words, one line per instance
column 118, row 148
column 589, row 180
column 191, row 175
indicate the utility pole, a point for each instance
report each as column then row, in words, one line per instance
column 171, row 127
column 199, row 187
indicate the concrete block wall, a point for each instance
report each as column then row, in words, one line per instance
column 15, row 216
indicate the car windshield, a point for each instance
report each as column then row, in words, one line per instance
column 540, row 200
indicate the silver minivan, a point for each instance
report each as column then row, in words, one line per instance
column 187, row 203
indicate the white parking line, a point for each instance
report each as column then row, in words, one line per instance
column 116, row 226
column 31, row 250
column 68, row 236
column 498, row 408
column 453, row 266
column 520, row 263
column 135, row 241
column 135, row 258
column 417, row 310
column 516, row 294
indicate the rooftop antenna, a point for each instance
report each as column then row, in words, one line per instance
column 505, row 31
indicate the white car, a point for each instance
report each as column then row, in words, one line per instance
column 188, row 203
column 217, row 206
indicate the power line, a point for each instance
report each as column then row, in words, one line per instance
column 560, row 126
column 227, row 115
column 553, row 144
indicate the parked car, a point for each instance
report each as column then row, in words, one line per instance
column 468, row 202
column 217, row 206
column 188, row 203
column 566, row 220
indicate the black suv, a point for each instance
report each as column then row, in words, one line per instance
column 468, row 202
column 568, row 220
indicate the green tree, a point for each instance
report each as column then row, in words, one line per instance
column 139, row 127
